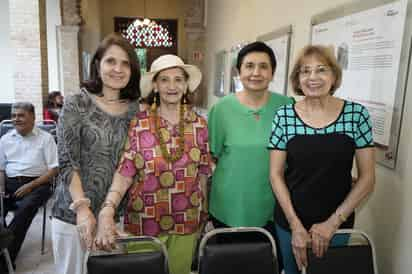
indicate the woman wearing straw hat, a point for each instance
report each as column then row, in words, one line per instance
column 167, row 152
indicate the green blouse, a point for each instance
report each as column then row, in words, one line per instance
column 241, row 193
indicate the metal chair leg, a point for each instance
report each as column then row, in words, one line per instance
column 43, row 234
column 8, row 260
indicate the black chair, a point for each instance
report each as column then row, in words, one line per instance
column 5, row 239
column 357, row 257
column 5, row 111
column 240, row 257
column 5, row 126
column 148, row 261
column 49, row 126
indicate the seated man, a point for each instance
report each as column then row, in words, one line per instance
column 28, row 162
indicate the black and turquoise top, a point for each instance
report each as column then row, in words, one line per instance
column 319, row 160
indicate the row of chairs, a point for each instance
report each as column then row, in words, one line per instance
column 5, row 126
column 219, row 258
column 236, row 257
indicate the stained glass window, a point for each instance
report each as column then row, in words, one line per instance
column 166, row 35
column 148, row 35
column 153, row 34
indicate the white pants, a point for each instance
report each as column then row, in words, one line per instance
column 68, row 252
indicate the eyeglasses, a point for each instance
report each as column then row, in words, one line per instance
column 319, row 71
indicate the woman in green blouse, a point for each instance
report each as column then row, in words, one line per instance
column 239, row 126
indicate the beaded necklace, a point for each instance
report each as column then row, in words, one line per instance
column 180, row 140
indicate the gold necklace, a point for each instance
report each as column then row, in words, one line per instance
column 113, row 101
column 180, row 140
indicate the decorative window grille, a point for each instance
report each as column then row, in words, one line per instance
column 158, row 33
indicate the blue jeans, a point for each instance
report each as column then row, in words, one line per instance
column 285, row 239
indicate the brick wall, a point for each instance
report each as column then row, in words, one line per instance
column 27, row 30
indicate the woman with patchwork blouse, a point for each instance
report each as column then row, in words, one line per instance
column 313, row 144
column 164, row 166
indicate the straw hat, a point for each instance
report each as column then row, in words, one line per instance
column 169, row 61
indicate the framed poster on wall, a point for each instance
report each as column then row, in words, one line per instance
column 368, row 41
column 279, row 41
column 220, row 75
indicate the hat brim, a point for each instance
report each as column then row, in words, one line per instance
column 195, row 77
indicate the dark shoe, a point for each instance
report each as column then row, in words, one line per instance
column 3, row 265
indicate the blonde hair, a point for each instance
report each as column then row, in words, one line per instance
column 324, row 54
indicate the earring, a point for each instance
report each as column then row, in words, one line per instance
column 154, row 104
column 184, row 102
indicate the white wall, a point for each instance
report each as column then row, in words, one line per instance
column 6, row 56
column 53, row 20
column 387, row 215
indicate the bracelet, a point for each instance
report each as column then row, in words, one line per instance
column 78, row 203
column 116, row 191
column 341, row 217
column 109, row 203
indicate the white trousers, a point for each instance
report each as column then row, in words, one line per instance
column 67, row 251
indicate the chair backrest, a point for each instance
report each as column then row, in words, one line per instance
column 5, row 111
column 48, row 125
column 5, row 126
column 237, row 257
column 147, row 261
column 356, row 258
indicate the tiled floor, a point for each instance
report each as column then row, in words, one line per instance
column 30, row 260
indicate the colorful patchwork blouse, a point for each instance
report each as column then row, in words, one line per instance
column 165, row 198
column 319, row 160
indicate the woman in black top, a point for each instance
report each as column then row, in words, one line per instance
column 316, row 140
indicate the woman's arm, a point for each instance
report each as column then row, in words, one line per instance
column 300, row 237
column 217, row 132
column 106, row 229
column 365, row 162
column 203, row 186
column 204, row 206
column 69, row 135
column 323, row 232
column 85, row 219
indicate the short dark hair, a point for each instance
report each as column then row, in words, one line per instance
column 26, row 106
column 257, row 46
column 94, row 84
column 324, row 54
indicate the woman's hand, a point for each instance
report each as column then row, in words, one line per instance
column 300, row 241
column 106, row 230
column 86, row 226
column 322, row 233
